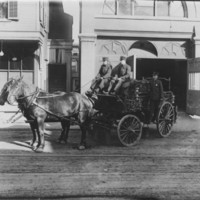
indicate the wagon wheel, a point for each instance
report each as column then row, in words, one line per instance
column 165, row 119
column 129, row 130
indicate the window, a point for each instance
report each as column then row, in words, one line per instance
column 194, row 83
column 163, row 8
column 176, row 9
column 16, row 63
column 3, row 10
column 170, row 8
column 109, row 7
column 143, row 7
column 124, row 7
column 3, row 62
column 57, row 56
column 12, row 10
column 9, row 10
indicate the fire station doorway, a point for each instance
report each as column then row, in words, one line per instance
column 175, row 69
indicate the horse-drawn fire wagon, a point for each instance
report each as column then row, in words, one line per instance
column 128, row 112
column 131, row 111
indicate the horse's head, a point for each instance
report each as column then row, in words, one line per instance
column 10, row 91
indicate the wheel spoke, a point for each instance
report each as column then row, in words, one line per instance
column 165, row 119
column 129, row 130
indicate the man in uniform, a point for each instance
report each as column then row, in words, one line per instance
column 101, row 81
column 120, row 74
column 156, row 96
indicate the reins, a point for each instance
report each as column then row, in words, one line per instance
column 32, row 101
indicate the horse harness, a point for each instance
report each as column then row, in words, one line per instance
column 33, row 99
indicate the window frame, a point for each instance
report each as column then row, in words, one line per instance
column 116, row 12
column 16, row 10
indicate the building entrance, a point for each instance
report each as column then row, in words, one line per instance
column 57, row 77
column 175, row 69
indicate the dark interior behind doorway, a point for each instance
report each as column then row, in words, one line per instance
column 176, row 69
column 57, row 78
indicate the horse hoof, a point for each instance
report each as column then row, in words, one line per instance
column 34, row 148
column 39, row 150
column 81, row 147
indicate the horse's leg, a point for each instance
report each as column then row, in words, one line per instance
column 82, row 119
column 34, row 141
column 82, row 144
column 64, row 133
column 41, row 131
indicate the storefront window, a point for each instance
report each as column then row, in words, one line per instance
column 4, row 62
column 15, row 63
column 28, row 63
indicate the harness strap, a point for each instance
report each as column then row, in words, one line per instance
column 48, row 111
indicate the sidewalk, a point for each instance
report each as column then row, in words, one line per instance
column 21, row 123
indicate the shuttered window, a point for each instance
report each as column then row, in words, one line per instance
column 12, row 10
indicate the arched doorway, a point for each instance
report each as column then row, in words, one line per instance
column 147, row 61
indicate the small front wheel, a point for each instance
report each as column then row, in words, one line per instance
column 165, row 119
column 129, row 130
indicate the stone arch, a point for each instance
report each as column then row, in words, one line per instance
column 143, row 48
column 185, row 9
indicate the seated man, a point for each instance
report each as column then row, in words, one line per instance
column 101, row 80
column 120, row 75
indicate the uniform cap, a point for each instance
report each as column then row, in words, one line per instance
column 105, row 59
column 122, row 58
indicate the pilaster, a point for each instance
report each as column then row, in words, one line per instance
column 87, row 62
column 196, row 43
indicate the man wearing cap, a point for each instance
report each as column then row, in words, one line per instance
column 120, row 74
column 101, row 80
column 156, row 95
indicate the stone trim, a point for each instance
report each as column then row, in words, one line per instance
column 87, row 37
column 60, row 43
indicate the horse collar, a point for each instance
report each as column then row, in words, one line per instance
column 32, row 95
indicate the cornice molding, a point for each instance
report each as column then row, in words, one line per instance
column 59, row 43
column 87, row 37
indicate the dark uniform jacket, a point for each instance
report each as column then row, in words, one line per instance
column 122, row 71
column 156, row 89
column 105, row 71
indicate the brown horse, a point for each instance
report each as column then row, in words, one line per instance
column 40, row 107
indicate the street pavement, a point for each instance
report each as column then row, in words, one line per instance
column 156, row 168
column 184, row 122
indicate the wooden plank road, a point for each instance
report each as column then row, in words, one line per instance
column 156, row 168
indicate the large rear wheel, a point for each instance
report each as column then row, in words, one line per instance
column 165, row 119
column 129, row 130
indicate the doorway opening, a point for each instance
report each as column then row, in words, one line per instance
column 57, row 77
column 175, row 69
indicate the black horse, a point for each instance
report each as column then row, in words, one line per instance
column 40, row 107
